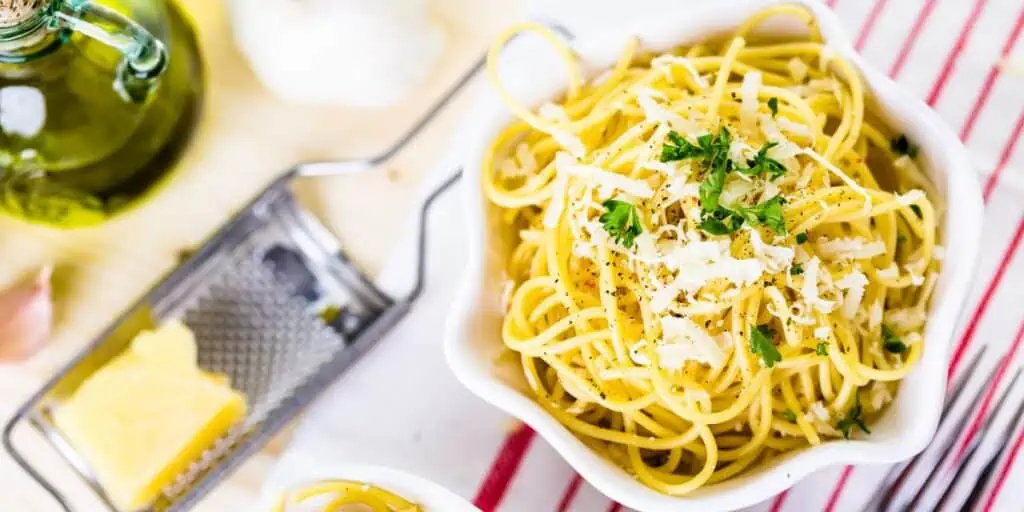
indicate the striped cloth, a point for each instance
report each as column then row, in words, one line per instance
column 401, row 407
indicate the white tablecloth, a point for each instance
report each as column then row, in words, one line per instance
column 401, row 407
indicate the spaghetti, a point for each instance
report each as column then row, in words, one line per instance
column 344, row 496
column 722, row 254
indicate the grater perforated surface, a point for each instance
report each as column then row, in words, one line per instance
column 250, row 329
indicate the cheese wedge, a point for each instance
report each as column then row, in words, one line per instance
column 142, row 419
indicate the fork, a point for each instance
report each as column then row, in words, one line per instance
column 951, row 473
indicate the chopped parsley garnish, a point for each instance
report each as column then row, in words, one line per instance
column 822, row 349
column 891, row 342
column 768, row 213
column 853, row 419
column 724, row 221
column 720, row 222
column 773, row 105
column 789, row 415
column 713, row 153
column 801, row 237
column 796, row 269
column 917, row 210
column 761, row 345
column 761, row 164
column 901, row 145
column 621, row 221
column 900, row 238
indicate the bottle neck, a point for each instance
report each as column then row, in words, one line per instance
column 33, row 37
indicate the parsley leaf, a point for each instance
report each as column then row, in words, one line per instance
column 720, row 222
column 761, row 164
column 621, row 221
column 900, row 238
column 796, row 269
column 773, row 105
column 761, row 345
column 901, row 145
column 917, row 210
column 801, row 237
column 822, row 349
column 789, row 415
column 678, row 148
column 768, row 213
column 891, row 342
column 713, row 153
column 853, row 419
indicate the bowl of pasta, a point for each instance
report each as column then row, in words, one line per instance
column 712, row 253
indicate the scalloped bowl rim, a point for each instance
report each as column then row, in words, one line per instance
column 908, row 424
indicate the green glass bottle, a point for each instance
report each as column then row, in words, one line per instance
column 97, row 101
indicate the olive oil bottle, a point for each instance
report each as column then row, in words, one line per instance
column 97, row 100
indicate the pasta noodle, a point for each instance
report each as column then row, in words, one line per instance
column 344, row 496
column 721, row 254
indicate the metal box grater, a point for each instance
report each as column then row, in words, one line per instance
column 274, row 304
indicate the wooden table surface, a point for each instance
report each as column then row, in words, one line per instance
column 247, row 137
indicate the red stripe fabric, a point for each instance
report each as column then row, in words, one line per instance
column 958, row 49
column 1004, row 159
column 615, row 507
column 833, row 498
column 503, row 469
column 986, row 298
column 570, row 493
column 908, row 43
column 865, row 32
column 990, row 80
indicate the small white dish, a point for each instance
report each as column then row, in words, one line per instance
column 300, row 471
column 473, row 338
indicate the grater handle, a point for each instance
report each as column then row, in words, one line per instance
column 36, row 475
column 421, row 244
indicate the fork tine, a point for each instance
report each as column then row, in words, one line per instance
column 1005, row 436
column 908, row 474
column 894, row 477
column 944, row 480
column 960, row 383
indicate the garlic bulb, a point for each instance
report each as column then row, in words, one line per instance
column 363, row 53
column 26, row 315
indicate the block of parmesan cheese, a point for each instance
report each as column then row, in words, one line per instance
column 143, row 418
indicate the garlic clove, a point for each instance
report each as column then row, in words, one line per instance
column 26, row 317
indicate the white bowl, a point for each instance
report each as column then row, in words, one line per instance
column 473, row 331
column 302, row 470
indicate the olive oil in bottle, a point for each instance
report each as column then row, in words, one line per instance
column 97, row 100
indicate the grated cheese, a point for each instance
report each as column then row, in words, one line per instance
column 686, row 341
column 854, row 283
column 910, row 197
column 774, row 258
column 666, row 61
column 797, row 69
column 822, row 332
column 809, row 290
column 565, row 165
column 653, row 111
column 553, row 112
column 748, row 100
column 891, row 272
column 842, row 175
column 880, row 395
column 850, row 248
